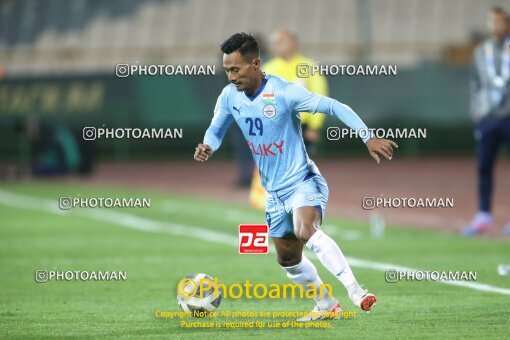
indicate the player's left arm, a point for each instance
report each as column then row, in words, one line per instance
column 299, row 99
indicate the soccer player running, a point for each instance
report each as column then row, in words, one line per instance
column 284, row 47
column 266, row 108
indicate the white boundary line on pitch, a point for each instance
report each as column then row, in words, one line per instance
column 144, row 224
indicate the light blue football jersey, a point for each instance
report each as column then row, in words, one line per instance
column 271, row 125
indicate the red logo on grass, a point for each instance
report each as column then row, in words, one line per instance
column 253, row 239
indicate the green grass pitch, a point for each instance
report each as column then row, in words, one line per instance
column 36, row 237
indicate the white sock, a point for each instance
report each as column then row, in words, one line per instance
column 332, row 258
column 305, row 273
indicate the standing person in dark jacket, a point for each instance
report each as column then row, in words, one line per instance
column 490, row 103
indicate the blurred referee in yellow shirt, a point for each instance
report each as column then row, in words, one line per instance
column 284, row 46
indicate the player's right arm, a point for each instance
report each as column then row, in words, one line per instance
column 220, row 123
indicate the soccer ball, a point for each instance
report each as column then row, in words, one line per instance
column 193, row 299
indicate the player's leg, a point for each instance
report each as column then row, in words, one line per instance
column 505, row 131
column 307, row 221
column 308, row 206
column 289, row 252
column 487, row 142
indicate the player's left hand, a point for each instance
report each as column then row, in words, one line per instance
column 380, row 146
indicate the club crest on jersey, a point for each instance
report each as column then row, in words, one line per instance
column 269, row 111
column 269, row 98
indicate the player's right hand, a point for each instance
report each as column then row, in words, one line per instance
column 202, row 152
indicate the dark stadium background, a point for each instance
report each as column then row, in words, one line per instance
column 58, row 58
column 69, row 49
column 57, row 72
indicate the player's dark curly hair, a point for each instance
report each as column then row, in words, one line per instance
column 245, row 43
